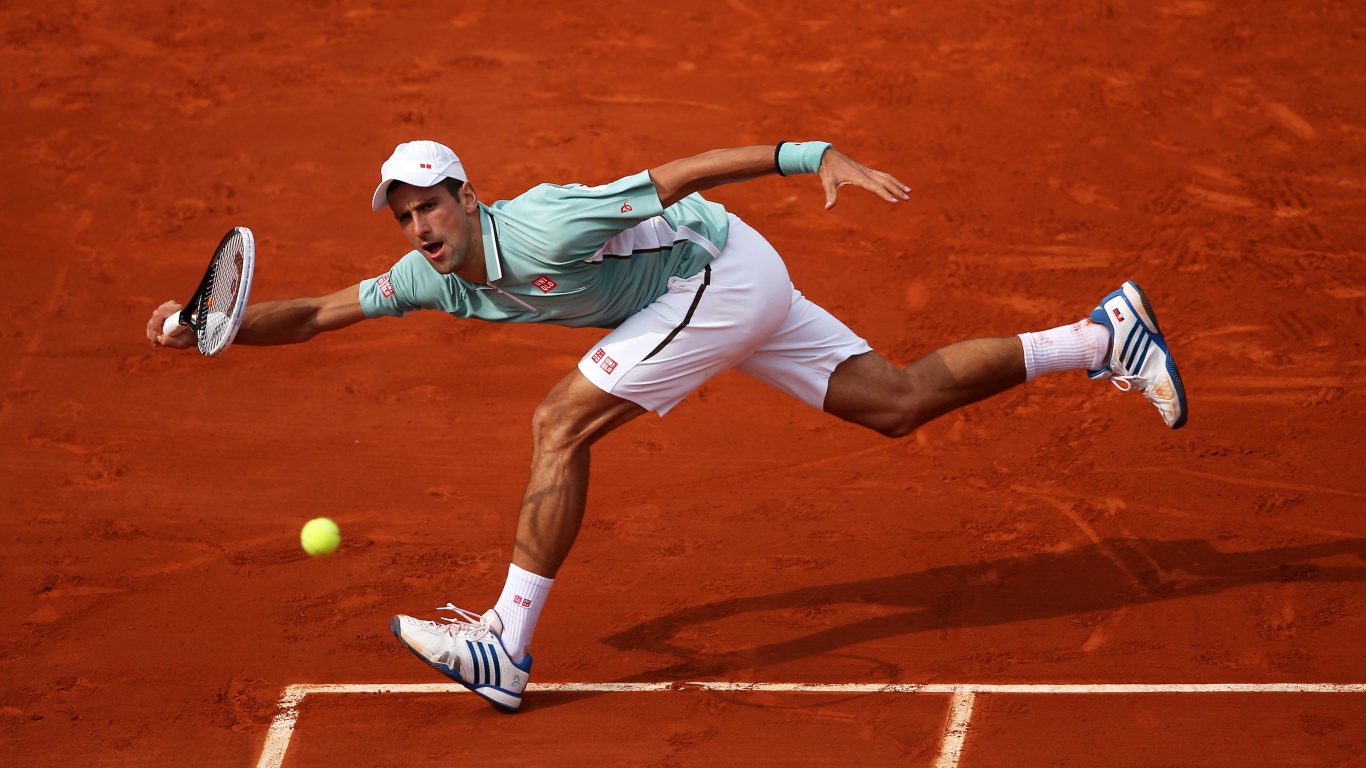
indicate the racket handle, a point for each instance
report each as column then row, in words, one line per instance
column 172, row 325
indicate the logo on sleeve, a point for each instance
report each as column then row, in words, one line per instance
column 599, row 355
column 609, row 365
column 626, row 207
column 385, row 286
column 544, row 283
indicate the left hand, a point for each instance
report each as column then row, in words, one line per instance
column 838, row 169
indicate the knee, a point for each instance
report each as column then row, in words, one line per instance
column 892, row 416
column 899, row 421
column 897, row 428
column 903, row 413
column 553, row 426
column 875, row 395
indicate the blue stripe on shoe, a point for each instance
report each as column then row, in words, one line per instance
column 1127, row 351
column 484, row 654
column 1135, row 346
column 474, row 660
column 497, row 666
column 1142, row 356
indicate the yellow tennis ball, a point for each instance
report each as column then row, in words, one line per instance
column 320, row 536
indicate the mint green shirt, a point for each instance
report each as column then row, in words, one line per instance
column 570, row 255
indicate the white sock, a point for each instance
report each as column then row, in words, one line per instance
column 519, row 607
column 1081, row 345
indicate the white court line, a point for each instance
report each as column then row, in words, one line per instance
column 955, row 729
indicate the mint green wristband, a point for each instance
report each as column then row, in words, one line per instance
column 802, row 157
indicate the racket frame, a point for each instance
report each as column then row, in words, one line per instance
column 195, row 313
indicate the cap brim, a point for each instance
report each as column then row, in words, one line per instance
column 381, row 199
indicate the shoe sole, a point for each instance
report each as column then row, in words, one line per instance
column 396, row 627
column 1132, row 292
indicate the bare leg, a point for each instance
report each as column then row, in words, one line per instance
column 573, row 416
column 868, row 390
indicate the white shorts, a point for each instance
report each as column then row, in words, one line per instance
column 740, row 312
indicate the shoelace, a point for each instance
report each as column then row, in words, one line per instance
column 1126, row 383
column 466, row 623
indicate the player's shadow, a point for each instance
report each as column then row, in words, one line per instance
column 1112, row 574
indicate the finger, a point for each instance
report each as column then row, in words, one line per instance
column 176, row 341
column 896, row 192
column 879, row 187
column 157, row 330
column 831, row 191
column 897, row 186
column 890, row 185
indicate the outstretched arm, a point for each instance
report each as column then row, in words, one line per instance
column 680, row 178
column 274, row 322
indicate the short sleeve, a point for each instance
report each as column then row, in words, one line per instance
column 411, row 284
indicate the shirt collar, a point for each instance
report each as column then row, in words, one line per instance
column 493, row 261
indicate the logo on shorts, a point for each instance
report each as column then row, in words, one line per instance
column 609, row 365
column 544, row 283
column 522, row 601
column 599, row 355
column 385, row 286
column 626, row 207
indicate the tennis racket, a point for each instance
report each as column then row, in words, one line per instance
column 215, row 311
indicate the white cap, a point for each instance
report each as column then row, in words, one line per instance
column 420, row 163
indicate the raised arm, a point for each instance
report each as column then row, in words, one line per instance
column 680, row 178
column 274, row 322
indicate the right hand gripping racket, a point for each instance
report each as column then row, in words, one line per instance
column 215, row 311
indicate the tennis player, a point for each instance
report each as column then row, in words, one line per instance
column 688, row 290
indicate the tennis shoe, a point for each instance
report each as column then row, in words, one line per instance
column 469, row 650
column 1139, row 358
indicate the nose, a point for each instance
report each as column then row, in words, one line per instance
column 418, row 225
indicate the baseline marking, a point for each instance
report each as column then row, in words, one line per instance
column 951, row 745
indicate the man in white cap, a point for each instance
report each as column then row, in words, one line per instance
column 689, row 291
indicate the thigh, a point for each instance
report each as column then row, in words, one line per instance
column 803, row 354
column 700, row 327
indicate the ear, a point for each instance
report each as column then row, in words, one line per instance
column 469, row 198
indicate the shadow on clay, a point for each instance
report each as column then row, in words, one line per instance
column 990, row 593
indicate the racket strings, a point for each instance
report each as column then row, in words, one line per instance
column 221, row 299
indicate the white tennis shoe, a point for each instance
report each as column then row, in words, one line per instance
column 469, row 650
column 1139, row 357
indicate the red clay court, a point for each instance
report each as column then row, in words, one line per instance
column 756, row 583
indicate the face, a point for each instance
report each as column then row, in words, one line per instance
column 443, row 228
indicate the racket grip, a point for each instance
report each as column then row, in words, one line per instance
column 172, row 325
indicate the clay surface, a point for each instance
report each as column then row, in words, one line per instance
column 154, row 602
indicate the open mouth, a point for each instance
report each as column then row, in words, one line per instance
column 432, row 249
